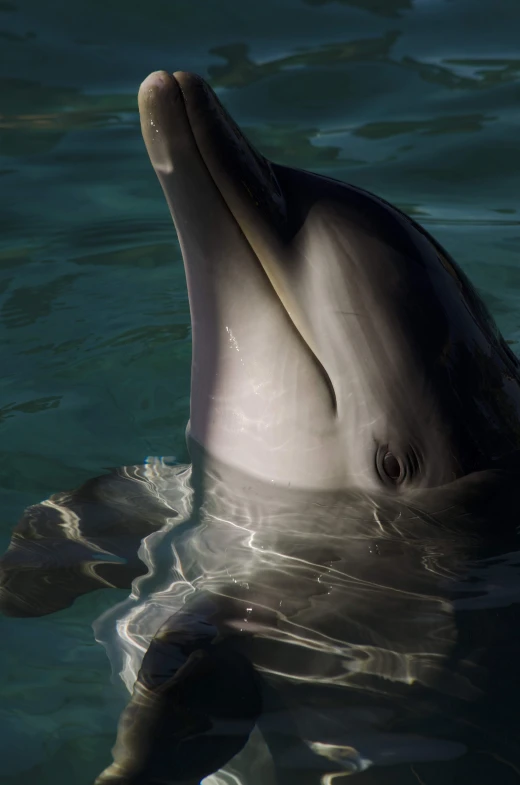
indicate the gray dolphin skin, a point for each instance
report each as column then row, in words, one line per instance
column 331, row 588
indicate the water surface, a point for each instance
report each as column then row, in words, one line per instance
column 416, row 100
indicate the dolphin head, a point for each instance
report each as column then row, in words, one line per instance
column 335, row 343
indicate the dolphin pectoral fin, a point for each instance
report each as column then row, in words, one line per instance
column 79, row 541
column 185, row 722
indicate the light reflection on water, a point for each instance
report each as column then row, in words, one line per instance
column 351, row 600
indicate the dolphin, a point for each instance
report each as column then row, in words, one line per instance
column 355, row 432
column 338, row 351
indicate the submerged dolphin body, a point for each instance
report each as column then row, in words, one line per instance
column 360, row 633
column 355, row 432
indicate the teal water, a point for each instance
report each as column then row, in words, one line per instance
column 416, row 100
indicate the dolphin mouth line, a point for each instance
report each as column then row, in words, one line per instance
column 272, row 280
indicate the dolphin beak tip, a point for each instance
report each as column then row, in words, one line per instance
column 159, row 100
column 155, row 83
column 162, row 80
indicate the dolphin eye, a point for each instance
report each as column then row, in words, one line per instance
column 392, row 468
column 395, row 469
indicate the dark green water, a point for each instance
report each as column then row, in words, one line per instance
column 416, row 101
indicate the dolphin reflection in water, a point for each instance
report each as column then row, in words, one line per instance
column 330, row 589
